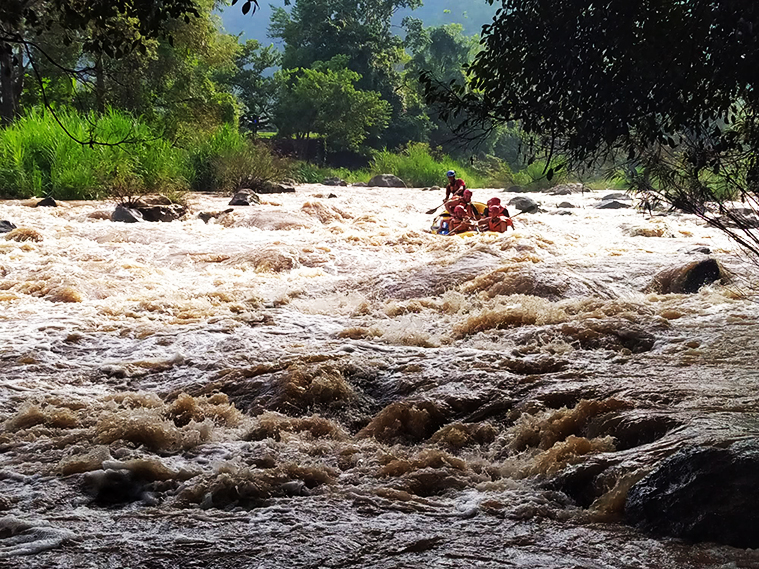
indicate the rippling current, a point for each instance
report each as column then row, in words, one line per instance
column 320, row 382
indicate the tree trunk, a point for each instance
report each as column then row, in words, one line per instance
column 8, row 94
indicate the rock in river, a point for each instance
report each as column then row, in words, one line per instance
column 386, row 181
column 686, row 279
column 702, row 494
column 6, row 226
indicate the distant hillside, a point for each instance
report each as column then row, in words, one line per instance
column 471, row 14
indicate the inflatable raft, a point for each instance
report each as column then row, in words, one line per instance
column 442, row 222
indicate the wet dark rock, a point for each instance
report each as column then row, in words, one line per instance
column 580, row 482
column 245, row 197
column 360, row 185
column 113, row 486
column 635, row 338
column 162, row 213
column 294, row 488
column 268, row 187
column 686, row 279
column 567, row 189
column 46, row 202
column 619, row 196
column 386, row 181
column 515, row 189
column 631, row 429
column 563, row 212
column 331, row 196
column 566, row 205
column 524, row 204
column 151, row 200
column 701, row 494
column 700, row 250
column 612, row 204
column 126, row 215
column 206, row 216
column 334, row 181
column 6, row 226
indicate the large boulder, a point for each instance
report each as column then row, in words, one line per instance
column 524, row 204
column 701, row 494
column 6, row 226
column 686, row 279
column 126, row 215
column 386, row 181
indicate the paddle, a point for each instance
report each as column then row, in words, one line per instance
column 434, row 209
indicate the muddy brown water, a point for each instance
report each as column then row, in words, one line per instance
column 320, row 382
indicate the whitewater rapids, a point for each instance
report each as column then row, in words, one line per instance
column 321, row 382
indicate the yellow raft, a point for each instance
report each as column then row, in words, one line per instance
column 441, row 223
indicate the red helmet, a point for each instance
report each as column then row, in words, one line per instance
column 459, row 211
column 467, row 195
column 494, row 201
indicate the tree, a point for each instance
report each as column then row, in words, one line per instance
column 324, row 100
column 318, row 30
column 249, row 82
column 667, row 88
column 442, row 52
column 110, row 28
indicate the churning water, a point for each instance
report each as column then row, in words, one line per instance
column 320, row 382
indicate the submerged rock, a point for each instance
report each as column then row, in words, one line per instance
column 566, row 205
column 524, row 204
column 686, row 279
column 6, row 226
column 701, row 494
column 386, row 181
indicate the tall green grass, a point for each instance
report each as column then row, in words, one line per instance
column 417, row 166
column 39, row 158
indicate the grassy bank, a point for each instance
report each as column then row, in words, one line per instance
column 40, row 157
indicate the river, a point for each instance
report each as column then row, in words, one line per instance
column 320, row 382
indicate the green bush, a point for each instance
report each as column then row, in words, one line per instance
column 417, row 166
column 226, row 161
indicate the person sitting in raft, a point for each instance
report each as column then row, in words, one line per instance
column 455, row 186
column 492, row 202
column 464, row 200
column 498, row 219
column 460, row 221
